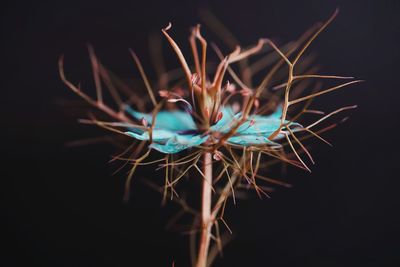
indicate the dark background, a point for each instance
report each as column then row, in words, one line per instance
column 62, row 206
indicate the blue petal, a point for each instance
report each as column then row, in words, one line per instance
column 157, row 135
column 168, row 120
column 248, row 140
column 254, row 131
column 229, row 120
column 223, row 124
column 277, row 113
column 179, row 143
column 258, row 126
column 255, row 125
column 265, row 126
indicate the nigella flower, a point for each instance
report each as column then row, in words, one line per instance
column 222, row 118
column 174, row 131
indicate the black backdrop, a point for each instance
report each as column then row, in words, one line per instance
column 62, row 207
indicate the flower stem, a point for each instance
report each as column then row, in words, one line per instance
column 205, row 236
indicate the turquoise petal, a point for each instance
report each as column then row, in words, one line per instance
column 255, row 125
column 168, row 120
column 263, row 124
column 158, row 135
column 259, row 126
column 179, row 143
column 223, row 124
column 248, row 140
column 276, row 115
column 256, row 130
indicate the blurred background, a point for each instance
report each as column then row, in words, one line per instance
column 62, row 206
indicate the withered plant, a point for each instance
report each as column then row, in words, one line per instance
column 209, row 122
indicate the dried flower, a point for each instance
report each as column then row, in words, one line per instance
column 231, row 122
